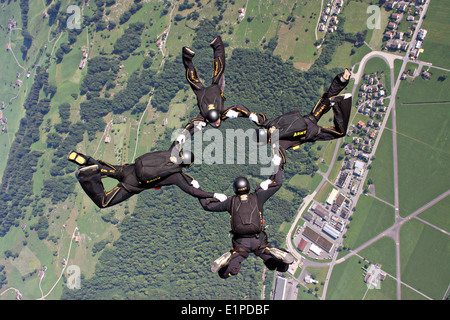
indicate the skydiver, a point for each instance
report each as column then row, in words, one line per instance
column 295, row 129
column 210, row 100
column 247, row 226
column 151, row 170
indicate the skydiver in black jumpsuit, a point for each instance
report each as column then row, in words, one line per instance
column 210, row 100
column 92, row 171
column 295, row 129
column 248, row 237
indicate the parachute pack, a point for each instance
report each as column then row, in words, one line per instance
column 246, row 217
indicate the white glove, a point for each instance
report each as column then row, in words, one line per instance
column 276, row 160
column 195, row 184
column 253, row 117
column 200, row 125
column 232, row 114
column 265, row 184
column 181, row 139
column 221, row 197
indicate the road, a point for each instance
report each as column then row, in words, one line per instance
column 394, row 230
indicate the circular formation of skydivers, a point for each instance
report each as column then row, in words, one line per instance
column 162, row 168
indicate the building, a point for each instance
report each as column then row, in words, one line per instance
column 422, row 34
column 332, row 196
column 315, row 249
column 396, row 17
column 359, row 168
column 332, row 232
column 302, row 244
column 319, row 210
column 392, row 25
column 374, row 275
column 317, row 239
column 82, row 63
column 280, row 286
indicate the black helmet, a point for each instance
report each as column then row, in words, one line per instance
column 187, row 159
column 241, row 186
column 261, row 136
column 212, row 115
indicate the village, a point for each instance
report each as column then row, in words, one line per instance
column 329, row 20
column 398, row 34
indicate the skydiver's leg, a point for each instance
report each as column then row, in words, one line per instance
column 342, row 106
column 90, row 180
column 233, row 266
column 273, row 263
column 337, row 85
column 80, row 159
column 106, row 169
column 274, row 258
column 191, row 72
column 219, row 62
column 238, row 253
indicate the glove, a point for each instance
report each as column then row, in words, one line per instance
column 200, row 125
column 276, row 160
column 253, row 117
column 195, row 184
column 181, row 139
column 232, row 114
column 221, row 197
column 265, row 184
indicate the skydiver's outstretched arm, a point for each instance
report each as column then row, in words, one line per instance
column 184, row 182
column 215, row 205
column 238, row 110
column 273, row 184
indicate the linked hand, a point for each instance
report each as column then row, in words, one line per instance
column 221, row 197
column 276, row 160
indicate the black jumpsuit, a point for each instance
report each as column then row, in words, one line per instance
column 244, row 245
column 295, row 129
column 212, row 96
column 129, row 185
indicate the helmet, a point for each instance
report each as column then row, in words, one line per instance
column 187, row 159
column 212, row 115
column 261, row 136
column 241, row 186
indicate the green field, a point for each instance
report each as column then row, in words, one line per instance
column 382, row 170
column 422, row 151
column 424, row 250
column 436, row 45
column 370, row 218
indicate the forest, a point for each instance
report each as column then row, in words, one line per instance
column 16, row 189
